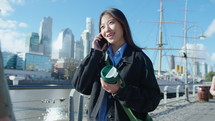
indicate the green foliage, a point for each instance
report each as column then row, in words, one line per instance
column 69, row 69
column 209, row 76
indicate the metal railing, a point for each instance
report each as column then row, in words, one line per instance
column 76, row 108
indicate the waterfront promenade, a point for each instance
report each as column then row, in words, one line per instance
column 185, row 111
column 54, row 104
column 177, row 109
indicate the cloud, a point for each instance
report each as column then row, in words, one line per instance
column 211, row 29
column 198, row 51
column 23, row 25
column 5, row 8
column 7, row 24
column 12, row 41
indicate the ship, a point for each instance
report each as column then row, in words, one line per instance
column 176, row 75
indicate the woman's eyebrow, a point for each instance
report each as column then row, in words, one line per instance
column 108, row 21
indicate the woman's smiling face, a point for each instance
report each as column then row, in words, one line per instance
column 111, row 30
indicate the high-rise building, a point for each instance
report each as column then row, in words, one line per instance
column 66, row 37
column 32, row 42
column 196, row 68
column 45, row 36
column 78, row 55
column 210, row 68
column 90, row 27
column 172, row 62
column 204, row 69
column 87, row 36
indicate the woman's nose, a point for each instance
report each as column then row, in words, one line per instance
column 107, row 28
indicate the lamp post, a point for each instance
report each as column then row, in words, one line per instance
column 185, row 57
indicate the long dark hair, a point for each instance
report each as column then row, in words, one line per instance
column 120, row 17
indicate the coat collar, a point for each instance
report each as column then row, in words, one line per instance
column 128, row 56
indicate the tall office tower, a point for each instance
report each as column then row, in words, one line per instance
column 210, row 68
column 78, row 55
column 172, row 62
column 67, row 38
column 196, row 68
column 32, row 42
column 204, row 69
column 90, row 27
column 87, row 36
column 45, row 34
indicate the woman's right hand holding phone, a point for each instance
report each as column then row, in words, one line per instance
column 99, row 43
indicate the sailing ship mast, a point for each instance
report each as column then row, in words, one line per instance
column 185, row 54
column 160, row 44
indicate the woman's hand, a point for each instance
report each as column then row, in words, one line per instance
column 111, row 88
column 212, row 89
column 95, row 43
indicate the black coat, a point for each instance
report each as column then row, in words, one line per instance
column 141, row 93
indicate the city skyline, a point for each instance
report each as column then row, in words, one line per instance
column 20, row 18
column 63, row 48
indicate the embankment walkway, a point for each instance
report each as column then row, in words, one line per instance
column 185, row 111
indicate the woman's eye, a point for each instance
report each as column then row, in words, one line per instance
column 102, row 27
column 111, row 22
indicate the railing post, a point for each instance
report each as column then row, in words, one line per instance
column 177, row 93
column 165, row 94
column 71, row 105
column 80, row 108
column 194, row 90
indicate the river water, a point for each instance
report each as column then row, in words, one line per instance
column 40, row 104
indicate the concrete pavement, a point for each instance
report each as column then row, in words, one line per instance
column 185, row 111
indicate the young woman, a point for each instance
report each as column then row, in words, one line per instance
column 212, row 88
column 141, row 93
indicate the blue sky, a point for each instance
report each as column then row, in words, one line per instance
column 20, row 17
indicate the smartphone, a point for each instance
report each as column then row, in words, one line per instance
column 102, row 42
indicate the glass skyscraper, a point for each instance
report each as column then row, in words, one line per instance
column 66, row 37
column 87, row 36
column 90, row 27
column 78, row 55
column 32, row 43
column 45, row 35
